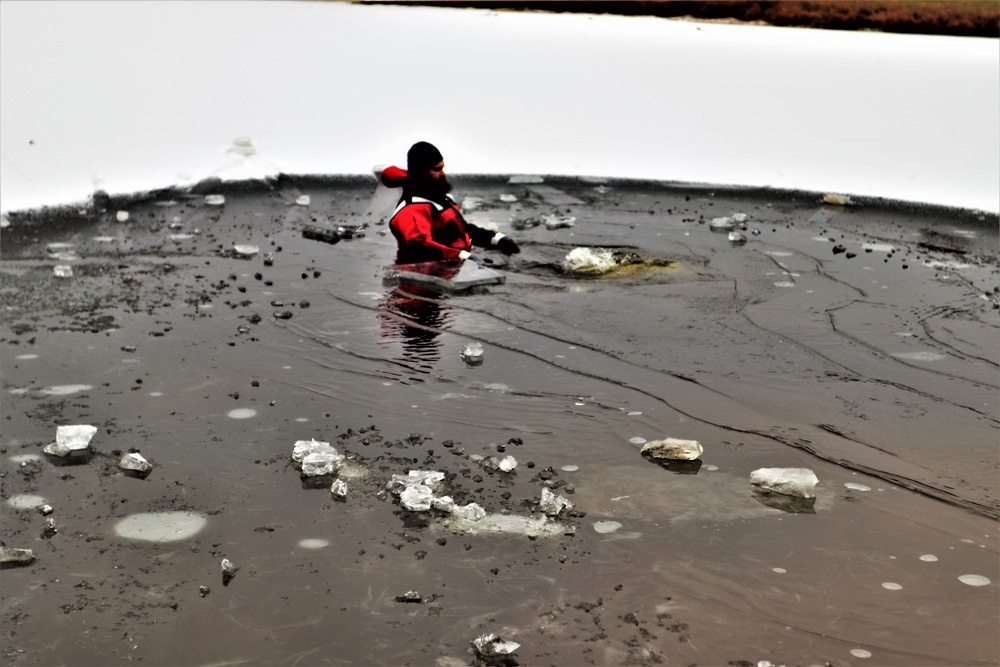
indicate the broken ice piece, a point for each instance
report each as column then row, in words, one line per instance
column 553, row 504
column 558, row 222
column 45, row 510
column 673, row 448
column 796, row 482
column 49, row 528
column 416, row 498
column 739, row 217
column 304, row 448
column 121, row 216
column 215, row 200
column 70, row 439
column 62, row 271
column 471, row 512
column 229, row 569
column 15, row 557
column 410, row 596
column 339, row 489
column 836, row 200
column 321, row 463
column 737, row 238
column 472, row 354
column 302, row 200
column 135, row 462
column 507, row 464
column 491, row 646
column 721, row 224
column 245, row 250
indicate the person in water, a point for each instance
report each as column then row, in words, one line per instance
column 427, row 224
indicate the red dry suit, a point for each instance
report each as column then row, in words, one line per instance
column 427, row 231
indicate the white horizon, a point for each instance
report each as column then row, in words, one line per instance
column 133, row 97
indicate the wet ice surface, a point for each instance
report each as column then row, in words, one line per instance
column 708, row 349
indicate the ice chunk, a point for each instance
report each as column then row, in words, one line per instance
column 62, row 271
column 416, row 498
column 724, row 224
column 215, row 200
column 245, row 250
column 15, row 557
column 229, row 569
column 302, row 200
column 795, row 482
column 553, row 504
column 71, row 439
column 507, row 464
column 121, row 216
column 410, row 597
column 339, row 489
column 135, row 462
column 673, row 448
column 323, row 462
column 430, row 478
column 739, row 218
column 589, row 261
column 243, row 146
column 472, row 354
column 471, row 512
column 836, row 200
column 444, row 504
column 737, row 238
column 552, row 221
column 490, row 646
column 304, row 448
column 49, row 528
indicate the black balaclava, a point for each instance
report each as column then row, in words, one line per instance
column 419, row 160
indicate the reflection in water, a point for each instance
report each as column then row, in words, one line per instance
column 414, row 317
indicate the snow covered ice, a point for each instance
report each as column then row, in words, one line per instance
column 796, row 482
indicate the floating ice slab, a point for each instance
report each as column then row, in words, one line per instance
column 724, row 224
column 16, row 557
column 135, row 462
column 339, row 488
column 795, row 482
column 321, row 463
column 490, row 646
column 303, row 448
column 674, row 449
column 472, row 354
column 416, row 498
column 508, row 524
column 446, row 277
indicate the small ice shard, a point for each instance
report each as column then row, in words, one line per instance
column 121, row 216
column 836, row 200
column 243, row 146
column 416, row 498
column 49, row 528
column 321, row 463
column 303, row 200
column 508, row 198
column 70, row 439
column 245, row 250
column 857, row 487
column 795, row 482
column 135, row 462
column 471, row 512
column 229, row 570
column 724, row 224
column 507, row 464
column 739, row 218
column 673, row 448
column 215, row 200
column 444, row 504
column 410, row 597
column 339, row 489
column 472, row 354
column 553, row 504
column 45, row 510
column 491, row 647
column 737, row 238
column 62, row 271
column 15, row 557
column 552, row 221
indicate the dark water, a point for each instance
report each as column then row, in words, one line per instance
column 875, row 367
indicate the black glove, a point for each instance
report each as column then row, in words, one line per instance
column 507, row 246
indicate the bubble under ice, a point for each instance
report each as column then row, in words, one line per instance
column 25, row 501
column 160, row 526
column 313, row 543
column 242, row 413
column 974, row 580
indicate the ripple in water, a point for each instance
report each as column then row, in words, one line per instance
column 242, row 413
column 160, row 526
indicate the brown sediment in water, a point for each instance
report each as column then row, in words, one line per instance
column 856, row 341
